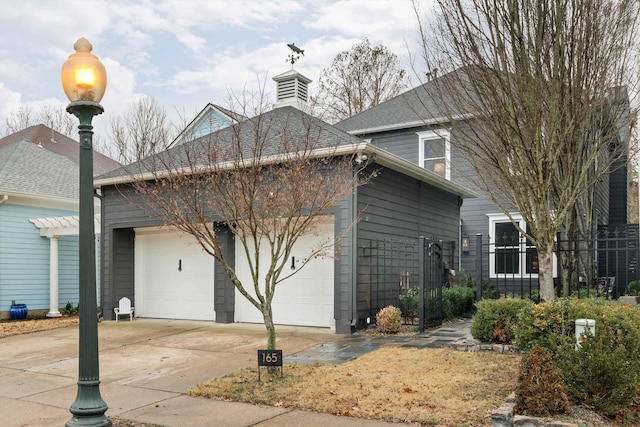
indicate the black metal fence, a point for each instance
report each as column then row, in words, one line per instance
column 408, row 274
column 605, row 265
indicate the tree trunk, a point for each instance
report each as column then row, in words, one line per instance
column 271, row 328
column 545, row 275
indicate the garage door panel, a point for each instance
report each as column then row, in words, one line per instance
column 174, row 276
column 306, row 298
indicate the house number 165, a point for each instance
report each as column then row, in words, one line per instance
column 269, row 358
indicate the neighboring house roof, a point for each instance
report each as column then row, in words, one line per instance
column 29, row 169
column 298, row 124
column 59, row 144
column 211, row 119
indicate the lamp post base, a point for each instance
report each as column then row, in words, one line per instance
column 102, row 421
column 89, row 408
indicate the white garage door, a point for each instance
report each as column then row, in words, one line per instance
column 306, row 298
column 174, row 276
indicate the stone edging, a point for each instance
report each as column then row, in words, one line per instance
column 505, row 417
column 475, row 345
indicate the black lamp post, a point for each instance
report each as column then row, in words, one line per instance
column 84, row 81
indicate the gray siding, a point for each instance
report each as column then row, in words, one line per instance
column 224, row 293
column 475, row 221
column 403, row 144
column 395, row 207
column 344, row 265
column 120, row 216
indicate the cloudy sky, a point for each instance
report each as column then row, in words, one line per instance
column 186, row 53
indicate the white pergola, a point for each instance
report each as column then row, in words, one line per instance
column 53, row 228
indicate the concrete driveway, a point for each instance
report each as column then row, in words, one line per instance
column 146, row 366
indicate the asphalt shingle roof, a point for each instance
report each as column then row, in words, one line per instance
column 416, row 107
column 27, row 168
column 277, row 128
column 59, row 144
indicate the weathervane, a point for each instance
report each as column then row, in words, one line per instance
column 295, row 53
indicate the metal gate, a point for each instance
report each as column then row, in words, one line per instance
column 408, row 274
column 432, row 276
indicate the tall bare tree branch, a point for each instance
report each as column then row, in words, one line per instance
column 545, row 82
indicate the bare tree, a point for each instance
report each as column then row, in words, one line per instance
column 268, row 180
column 358, row 79
column 143, row 129
column 542, row 83
column 52, row 116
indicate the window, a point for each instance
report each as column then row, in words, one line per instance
column 511, row 254
column 434, row 152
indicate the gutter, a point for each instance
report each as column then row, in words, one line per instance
column 4, row 198
column 412, row 124
column 383, row 158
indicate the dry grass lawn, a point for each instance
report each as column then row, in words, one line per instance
column 17, row 327
column 428, row 387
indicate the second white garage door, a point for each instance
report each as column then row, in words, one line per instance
column 174, row 276
column 305, row 299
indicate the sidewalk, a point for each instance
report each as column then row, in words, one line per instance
column 147, row 365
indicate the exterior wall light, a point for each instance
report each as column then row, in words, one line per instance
column 466, row 244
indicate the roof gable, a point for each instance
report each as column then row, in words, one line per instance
column 210, row 119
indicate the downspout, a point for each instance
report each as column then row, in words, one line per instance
column 354, row 255
column 4, row 199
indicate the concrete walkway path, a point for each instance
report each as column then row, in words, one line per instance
column 146, row 367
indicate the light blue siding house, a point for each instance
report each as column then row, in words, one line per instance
column 212, row 118
column 38, row 208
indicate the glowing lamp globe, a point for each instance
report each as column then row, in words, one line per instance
column 83, row 75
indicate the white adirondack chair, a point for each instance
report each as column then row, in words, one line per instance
column 124, row 308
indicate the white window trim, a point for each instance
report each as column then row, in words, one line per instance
column 499, row 218
column 436, row 134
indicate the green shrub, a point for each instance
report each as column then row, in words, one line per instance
column 410, row 302
column 633, row 288
column 599, row 375
column 496, row 320
column 546, row 322
column 465, row 280
column 457, row 302
column 489, row 290
column 604, row 372
column 541, row 390
column 389, row 320
column 70, row 309
column 533, row 295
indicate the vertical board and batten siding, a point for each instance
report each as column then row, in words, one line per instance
column 24, row 259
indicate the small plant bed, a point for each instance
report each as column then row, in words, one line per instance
column 18, row 327
column 598, row 371
column 426, row 387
